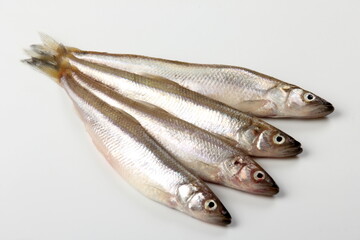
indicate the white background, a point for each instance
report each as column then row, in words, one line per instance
column 55, row 185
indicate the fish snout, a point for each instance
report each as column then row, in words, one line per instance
column 323, row 110
column 291, row 149
column 269, row 190
column 223, row 219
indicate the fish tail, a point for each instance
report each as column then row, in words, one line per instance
column 49, row 57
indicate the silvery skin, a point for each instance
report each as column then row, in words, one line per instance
column 240, row 88
column 207, row 155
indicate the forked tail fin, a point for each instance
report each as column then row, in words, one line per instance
column 48, row 57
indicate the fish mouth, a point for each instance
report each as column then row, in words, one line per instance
column 321, row 111
column 291, row 152
column 325, row 110
column 293, row 149
column 268, row 190
column 223, row 220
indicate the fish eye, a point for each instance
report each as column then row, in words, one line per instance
column 259, row 175
column 210, row 205
column 279, row 139
column 309, row 97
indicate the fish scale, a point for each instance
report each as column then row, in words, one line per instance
column 200, row 151
column 139, row 159
column 240, row 88
column 253, row 135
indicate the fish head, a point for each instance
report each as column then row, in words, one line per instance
column 300, row 103
column 243, row 173
column 263, row 141
column 201, row 203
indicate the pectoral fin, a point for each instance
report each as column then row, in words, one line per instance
column 260, row 108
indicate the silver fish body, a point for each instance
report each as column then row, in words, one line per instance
column 240, row 88
column 208, row 156
column 254, row 136
column 141, row 161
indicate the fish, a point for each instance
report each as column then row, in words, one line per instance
column 136, row 156
column 204, row 154
column 253, row 135
column 241, row 88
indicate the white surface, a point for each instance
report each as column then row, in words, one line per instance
column 54, row 184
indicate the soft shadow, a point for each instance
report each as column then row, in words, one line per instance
column 281, row 194
column 234, row 223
